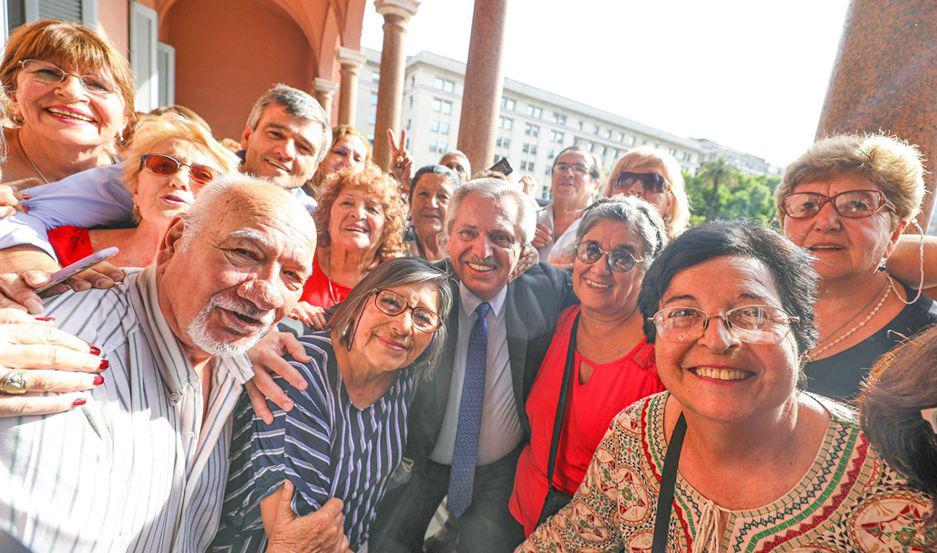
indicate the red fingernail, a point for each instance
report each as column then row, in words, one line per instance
column 25, row 208
column 98, row 380
column 46, row 319
column 78, row 402
column 104, row 364
column 25, row 196
column 95, row 350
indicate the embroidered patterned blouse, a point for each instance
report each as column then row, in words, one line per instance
column 849, row 499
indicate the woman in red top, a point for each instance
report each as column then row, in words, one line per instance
column 360, row 221
column 613, row 365
column 168, row 162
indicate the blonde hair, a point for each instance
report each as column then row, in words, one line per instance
column 887, row 162
column 73, row 47
column 679, row 217
column 370, row 180
column 153, row 129
column 342, row 131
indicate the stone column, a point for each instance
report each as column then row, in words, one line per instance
column 481, row 96
column 397, row 14
column 885, row 78
column 324, row 89
column 350, row 62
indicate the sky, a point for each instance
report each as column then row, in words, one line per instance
column 751, row 75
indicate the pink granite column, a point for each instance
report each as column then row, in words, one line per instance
column 481, row 96
column 885, row 78
column 350, row 62
column 397, row 14
column 324, row 89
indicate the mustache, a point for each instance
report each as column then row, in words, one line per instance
column 243, row 307
column 490, row 260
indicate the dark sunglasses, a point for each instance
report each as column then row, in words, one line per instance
column 852, row 204
column 652, row 182
column 619, row 259
column 164, row 166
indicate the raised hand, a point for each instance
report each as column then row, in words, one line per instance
column 400, row 163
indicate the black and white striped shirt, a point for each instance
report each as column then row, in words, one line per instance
column 135, row 468
column 325, row 445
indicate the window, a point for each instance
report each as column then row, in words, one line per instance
column 443, row 84
column 529, row 148
column 527, row 165
column 438, row 147
column 629, row 140
column 143, row 58
column 440, row 127
column 505, row 123
column 548, row 170
column 608, row 134
column 442, row 106
column 579, row 126
column 375, row 77
column 552, row 154
column 374, row 99
column 531, row 130
column 621, row 137
column 557, row 136
column 372, row 118
column 411, row 101
column 409, row 121
column 604, row 150
column 559, row 118
column 595, row 129
column 503, row 142
column 672, row 151
column 578, row 141
column 507, row 104
column 166, row 69
column 534, row 111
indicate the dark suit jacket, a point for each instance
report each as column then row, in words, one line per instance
column 533, row 303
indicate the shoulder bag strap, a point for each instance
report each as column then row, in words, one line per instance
column 667, row 483
column 561, row 404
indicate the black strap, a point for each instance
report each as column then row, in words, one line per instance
column 561, row 404
column 667, row 482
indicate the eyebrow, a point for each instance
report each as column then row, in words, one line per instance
column 296, row 135
column 690, row 297
column 252, row 236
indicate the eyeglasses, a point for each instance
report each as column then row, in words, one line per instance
column 577, row 168
column 619, row 259
column 51, row 74
column 393, row 304
column 164, row 166
column 753, row 324
column 852, row 204
column 652, row 182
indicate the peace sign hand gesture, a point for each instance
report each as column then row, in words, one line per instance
column 400, row 163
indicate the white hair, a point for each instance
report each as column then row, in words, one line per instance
column 200, row 335
column 494, row 190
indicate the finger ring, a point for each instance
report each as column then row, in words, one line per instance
column 13, row 383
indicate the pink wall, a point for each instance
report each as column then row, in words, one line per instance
column 228, row 53
column 114, row 18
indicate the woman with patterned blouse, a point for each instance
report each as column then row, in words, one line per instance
column 764, row 466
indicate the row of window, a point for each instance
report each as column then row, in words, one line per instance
column 437, row 146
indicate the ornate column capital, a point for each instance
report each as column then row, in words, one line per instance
column 350, row 59
column 324, row 87
column 402, row 9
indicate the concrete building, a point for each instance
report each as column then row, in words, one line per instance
column 745, row 162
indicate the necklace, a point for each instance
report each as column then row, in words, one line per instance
column 29, row 159
column 817, row 351
column 328, row 277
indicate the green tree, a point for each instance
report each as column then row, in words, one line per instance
column 721, row 191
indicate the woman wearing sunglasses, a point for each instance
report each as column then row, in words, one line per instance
column 735, row 456
column 847, row 200
column 598, row 361
column 71, row 101
column 168, row 162
column 346, row 432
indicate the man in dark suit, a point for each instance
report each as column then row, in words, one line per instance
column 467, row 423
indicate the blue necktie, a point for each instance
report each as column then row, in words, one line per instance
column 465, row 454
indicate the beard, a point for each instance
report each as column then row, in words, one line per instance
column 200, row 335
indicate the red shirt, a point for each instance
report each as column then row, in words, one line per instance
column 590, row 409
column 316, row 290
column 70, row 244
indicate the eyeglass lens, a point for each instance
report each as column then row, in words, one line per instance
column 393, row 304
column 619, row 259
column 164, row 165
column 852, row 203
column 752, row 323
column 49, row 73
column 651, row 182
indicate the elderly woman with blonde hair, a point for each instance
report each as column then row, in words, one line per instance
column 847, row 200
column 168, row 162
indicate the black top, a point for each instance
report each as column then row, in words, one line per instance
column 838, row 376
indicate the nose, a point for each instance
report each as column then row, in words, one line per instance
column 481, row 247
column 286, row 149
column 262, row 292
column 182, row 178
column 402, row 324
column 71, row 87
column 717, row 337
column 433, row 201
column 827, row 218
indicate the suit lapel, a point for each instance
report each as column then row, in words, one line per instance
column 443, row 379
column 517, row 321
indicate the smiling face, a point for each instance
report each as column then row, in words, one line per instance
column 160, row 198
column 252, row 260
column 844, row 248
column 430, row 203
column 570, row 186
column 389, row 342
column 283, row 149
column 356, row 220
column 484, row 245
column 349, row 151
column 717, row 376
column 600, row 289
column 67, row 113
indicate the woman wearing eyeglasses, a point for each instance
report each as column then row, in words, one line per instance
column 847, row 200
column 598, row 350
column 71, row 101
column 346, row 432
column 744, row 459
column 168, row 162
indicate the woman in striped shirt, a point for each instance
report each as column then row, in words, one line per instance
column 346, row 432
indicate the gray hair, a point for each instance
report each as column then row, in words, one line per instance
column 396, row 272
column 641, row 218
column 450, row 175
column 595, row 170
column 495, row 189
column 297, row 104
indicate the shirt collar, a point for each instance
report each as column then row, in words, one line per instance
column 470, row 301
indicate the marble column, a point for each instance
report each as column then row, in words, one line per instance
column 323, row 90
column 350, row 62
column 481, row 96
column 397, row 14
column 885, row 78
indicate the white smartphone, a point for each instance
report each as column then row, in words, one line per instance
column 62, row 275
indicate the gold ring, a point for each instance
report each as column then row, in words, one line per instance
column 13, row 383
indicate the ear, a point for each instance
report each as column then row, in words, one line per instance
column 171, row 241
column 245, row 136
column 893, row 241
